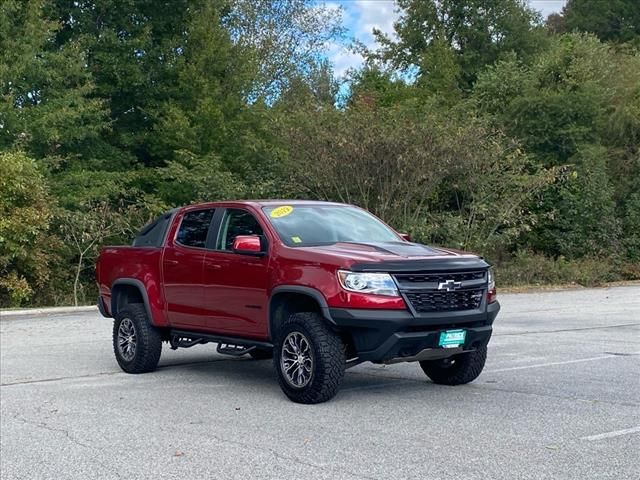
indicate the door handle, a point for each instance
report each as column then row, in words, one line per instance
column 212, row 266
column 172, row 262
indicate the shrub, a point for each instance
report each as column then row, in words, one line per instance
column 25, row 214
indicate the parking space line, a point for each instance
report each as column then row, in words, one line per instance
column 615, row 433
column 551, row 364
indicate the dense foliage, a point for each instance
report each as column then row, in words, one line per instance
column 478, row 126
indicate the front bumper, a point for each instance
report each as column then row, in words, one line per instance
column 389, row 336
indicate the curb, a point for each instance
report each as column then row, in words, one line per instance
column 569, row 287
column 45, row 311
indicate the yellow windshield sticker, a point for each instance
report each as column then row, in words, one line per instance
column 281, row 211
column 296, row 239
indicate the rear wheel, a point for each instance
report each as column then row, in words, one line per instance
column 456, row 370
column 309, row 359
column 136, row 343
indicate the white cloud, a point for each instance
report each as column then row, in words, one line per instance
column 547, row 7
column 380, row 14
column 343, row 59
column 360, row 17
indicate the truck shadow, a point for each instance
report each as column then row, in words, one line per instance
column 247, row 374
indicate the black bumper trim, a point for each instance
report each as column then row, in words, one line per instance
column 384, row 335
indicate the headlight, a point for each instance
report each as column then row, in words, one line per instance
column 491, row 280
column 374, row 283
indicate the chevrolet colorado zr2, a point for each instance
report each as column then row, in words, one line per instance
column 317, row 286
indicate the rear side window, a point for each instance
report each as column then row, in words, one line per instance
column 194, row 228
column 152, row 235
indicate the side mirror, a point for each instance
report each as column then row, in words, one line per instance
column 406, row 236
column 248, row 245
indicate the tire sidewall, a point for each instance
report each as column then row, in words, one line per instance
column 467, row 368
column 148, row 341
column 328, row 356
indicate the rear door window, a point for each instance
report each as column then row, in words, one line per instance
column 194, row 228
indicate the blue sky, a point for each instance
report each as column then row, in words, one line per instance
column 361, row 16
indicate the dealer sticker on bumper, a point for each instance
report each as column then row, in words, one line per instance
column 452, row 338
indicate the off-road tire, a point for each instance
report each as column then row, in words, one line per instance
column 327, row 351
column 148, row 340
column 261, row 354
column 457, row 370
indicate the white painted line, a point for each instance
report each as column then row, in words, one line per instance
column 550, row 364
column 615, row 433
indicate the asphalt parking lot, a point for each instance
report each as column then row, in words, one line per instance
column 559, row 399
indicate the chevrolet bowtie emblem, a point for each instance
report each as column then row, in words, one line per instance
column 449, row 285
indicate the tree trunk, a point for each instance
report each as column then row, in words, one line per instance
column 77, row 279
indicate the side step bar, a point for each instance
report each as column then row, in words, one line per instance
column 226, row 345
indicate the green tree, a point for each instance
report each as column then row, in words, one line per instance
column 374, row 86
column 573, row 107
column 132, row 49
column 610, row 20
column 25, row 215
column 84, row 231
column 446, row 177
column 452, row 40
column 46, row 95
column 283, row 40
column 555, row 104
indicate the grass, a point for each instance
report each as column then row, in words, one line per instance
column 532, row 270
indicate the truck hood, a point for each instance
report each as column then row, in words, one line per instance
column 400, row 256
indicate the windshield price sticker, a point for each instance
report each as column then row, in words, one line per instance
column 281, row 211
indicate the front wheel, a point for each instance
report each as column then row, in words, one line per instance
column 457, row 370
column 309, row 359
column 136, row 343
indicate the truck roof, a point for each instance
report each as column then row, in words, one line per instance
column 264, row 203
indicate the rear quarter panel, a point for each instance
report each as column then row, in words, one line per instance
column 142, row 264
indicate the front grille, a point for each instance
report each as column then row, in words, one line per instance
column 438, row 277
column 436, row 301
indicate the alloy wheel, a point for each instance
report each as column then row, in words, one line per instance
column 127, row 340
column 296, row 360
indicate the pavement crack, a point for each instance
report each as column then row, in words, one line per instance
column 101, row 374
column 46, row 426
column 58, row 379
column 515, row 334
column 278, row 455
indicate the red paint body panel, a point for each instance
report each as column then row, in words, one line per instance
column 142, row 264
column 228, row 293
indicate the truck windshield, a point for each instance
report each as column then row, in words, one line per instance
column 308, row 225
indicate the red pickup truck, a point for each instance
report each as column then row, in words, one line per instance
column 318, row 286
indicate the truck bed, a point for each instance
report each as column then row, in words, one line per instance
column 126, row 262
